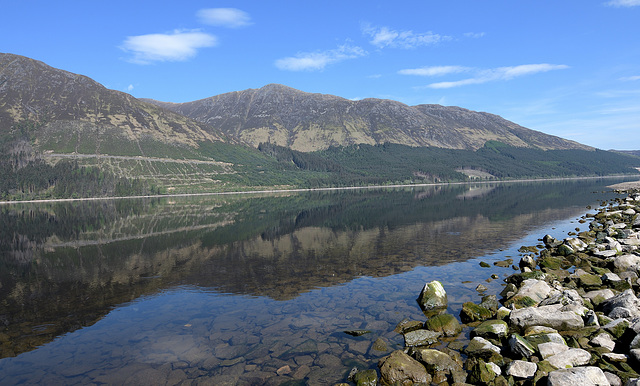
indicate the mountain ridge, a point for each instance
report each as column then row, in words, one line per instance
column 303, row 121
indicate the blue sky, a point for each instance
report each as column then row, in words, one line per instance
column 569, row 68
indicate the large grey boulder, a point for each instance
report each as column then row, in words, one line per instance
column 571, row 358
column 550, row 349
column 627, row 262
column 551, row 316
column 535, row 290
column 582, row 376
column 400, row 367
column 625, row 305
column 564, row 297
column 421, row 338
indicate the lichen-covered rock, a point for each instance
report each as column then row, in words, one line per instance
column 533, row 291
column 407, row 325
column 436, row 361
column 472, row 312
column 400, row 367
column 520, row 346
column 433, row 296
column 582, row 376
column 491, row 329
column 447, row 324
column 480, row 347
column 365, row 378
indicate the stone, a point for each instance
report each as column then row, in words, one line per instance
column 482, row 373
column 520, row 346
column 436, row 361
column 564, row 297
column 537, row 339
column 549, row 349
column 626, row 262
column 551, row 316
column 492, row 329
column 527, row 262
column 599, row 296
column 407, row 325
column 365, row 378
column 570, row 358
column 617, row 327
column 613, row 357
column 400, row 367
column 533, row 289
column 433, row 296
column 472, row 312
column 503, row 313
column 521, row 369
column 626, row 299
column 576, row 244
column 551, row 242
column 589, row 281
column 447, row 324
column 421, row 338
column 565, row 250
column 613, row 379
column 481, row 347
column 603, row 340
column 583, row 376
column 535, row 330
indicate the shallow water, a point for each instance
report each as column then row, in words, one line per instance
column 251, row 289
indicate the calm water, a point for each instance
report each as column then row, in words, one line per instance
column 251, row 289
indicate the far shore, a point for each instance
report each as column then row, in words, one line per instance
column 620, row 186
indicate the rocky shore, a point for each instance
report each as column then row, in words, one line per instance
column 570, row 316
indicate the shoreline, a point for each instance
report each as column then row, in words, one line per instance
column 570, row 316
column 621, row 186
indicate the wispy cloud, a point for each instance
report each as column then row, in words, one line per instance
column 623, row 3
column 500, row 74
column 172, row 47
column 382, row 37
column 630, row 78
column 130, row 88
column 314, row 61
column 475, row 35
column 224, row 17
column 434, row 70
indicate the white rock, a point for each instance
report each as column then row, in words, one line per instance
column 613, row 357
column 550, row 316
column 521, row 369
column 570, row 358
column 550, row 349
column 582, row 376
column 603, row 340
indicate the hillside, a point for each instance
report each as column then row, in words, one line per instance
column 306, row 122
column 65, row 135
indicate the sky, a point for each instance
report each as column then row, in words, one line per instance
column 569, row 68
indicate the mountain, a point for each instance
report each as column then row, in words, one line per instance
column 66, row 112
column 306, row 122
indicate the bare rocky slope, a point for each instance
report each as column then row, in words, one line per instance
column 307, row 122
column 66, row 112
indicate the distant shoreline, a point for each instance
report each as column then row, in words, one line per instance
column 620, row 186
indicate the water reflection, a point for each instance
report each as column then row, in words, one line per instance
column 287, row 262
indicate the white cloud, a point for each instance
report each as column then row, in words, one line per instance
column 173, row 47
column 224, row 17
column 312, row 61
column 434, row 70
column 382, row 37
column 623, row 3
column 501, row 73
column 630, row 78
column 130, row 88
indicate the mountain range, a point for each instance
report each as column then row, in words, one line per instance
column 271, row 136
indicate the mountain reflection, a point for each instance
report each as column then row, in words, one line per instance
column 66, row 265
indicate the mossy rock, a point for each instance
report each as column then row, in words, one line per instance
column 472, row 312
column 484, row 265
column 531, row 249
column 552, row 263
column 445, row 323
column 518, row 278
column 491, row 329
column 590, row 282
column 366, row 378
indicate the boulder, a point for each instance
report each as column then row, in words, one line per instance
column 480, row 347
column 472, row 312
column 531, row 293
column 551, row 316
column 576, row 244
column 626, row 300
column 570, row 358
column 421, row 338
column 617, row 327
column 564, row 297
column 491, row 329
column 627, row 262
column 583, row 376
column 521, row 369
column 599, row 296
column 400, row 367
column 551, row 242
column 520, row 346
column 447, row 324
column 433, row 296
column 550, row 349
column 436, row 361
column 603, row 340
